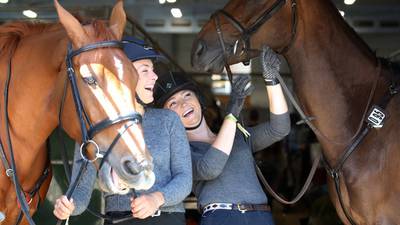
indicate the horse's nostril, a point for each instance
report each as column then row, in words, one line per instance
column 132, row 167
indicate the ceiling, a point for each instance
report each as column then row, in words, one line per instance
column 366, row 16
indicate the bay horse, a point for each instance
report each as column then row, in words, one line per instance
column 337, row 79
column 99, row 107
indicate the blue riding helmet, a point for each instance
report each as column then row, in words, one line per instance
column 137, row 49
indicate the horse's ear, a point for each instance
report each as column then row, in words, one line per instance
column 118, row 20
column 74, row 29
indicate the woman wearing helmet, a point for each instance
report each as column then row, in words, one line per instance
column 224, row 177
column 163, row 202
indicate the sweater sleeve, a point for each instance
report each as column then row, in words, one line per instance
column 267, row 133
column 83, row 190
column 181, row 168
column 210, row 165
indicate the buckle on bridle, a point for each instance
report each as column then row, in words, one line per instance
column 98, row 155
column 9, row 172
column 242, row 210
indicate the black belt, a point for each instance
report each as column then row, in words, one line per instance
column 240, row 207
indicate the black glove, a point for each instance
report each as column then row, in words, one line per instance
column 241, row 87
column 270, row 63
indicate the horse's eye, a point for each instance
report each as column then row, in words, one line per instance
column 90, row 80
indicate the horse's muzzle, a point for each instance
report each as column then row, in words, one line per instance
column 130, row 175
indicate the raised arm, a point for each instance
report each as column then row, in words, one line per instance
column 263, row 135
column 209, row 165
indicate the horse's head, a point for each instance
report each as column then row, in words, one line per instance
column 242, row 27
column 105, row 90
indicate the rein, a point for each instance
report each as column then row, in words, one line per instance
column 375, row 119
column 88, row 134
column 245, row 35
column 11, row 168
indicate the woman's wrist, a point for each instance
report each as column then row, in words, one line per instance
column 271, row 82
column 231, row 117
column 158, row 198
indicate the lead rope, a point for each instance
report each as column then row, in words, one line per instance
column 258, row 170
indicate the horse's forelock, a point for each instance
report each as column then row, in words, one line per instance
column 11, row 33
column 102, row 31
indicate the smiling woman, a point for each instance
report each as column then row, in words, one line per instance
column 166, row 140
column 97, row 108
column 338, row 80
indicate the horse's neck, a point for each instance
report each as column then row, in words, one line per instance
column 34, row 94
column 333, row 72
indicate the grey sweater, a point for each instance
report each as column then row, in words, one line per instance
column 166, row 140
column 218, row 177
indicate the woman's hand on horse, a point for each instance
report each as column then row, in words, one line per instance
column 241, row 88
column 146, row 205
column 63, row 207
column 271, row 65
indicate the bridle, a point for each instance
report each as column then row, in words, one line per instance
column 246, row 33
column 373, row 116
column 84, row 121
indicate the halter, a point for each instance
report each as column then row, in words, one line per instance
column 88, row 134
column 246, row 33
column 373, row 115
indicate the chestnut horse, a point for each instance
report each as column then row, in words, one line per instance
column 337, row 79
column 99, row 109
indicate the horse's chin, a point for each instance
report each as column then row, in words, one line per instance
column 110, row 182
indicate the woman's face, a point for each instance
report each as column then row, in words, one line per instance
column 187, row 106
column 146, row 81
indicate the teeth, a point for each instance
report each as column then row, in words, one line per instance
column 149, row 87
column 187, row 112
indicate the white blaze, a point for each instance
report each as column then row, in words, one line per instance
column 118, row 101
column 2, row 217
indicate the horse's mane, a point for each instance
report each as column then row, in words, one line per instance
column 11, row 33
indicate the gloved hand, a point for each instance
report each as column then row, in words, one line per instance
column 241, row 87
column 271, row 64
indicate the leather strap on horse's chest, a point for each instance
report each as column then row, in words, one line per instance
column 4, row 160
column 375, row 119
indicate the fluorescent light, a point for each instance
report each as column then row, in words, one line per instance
column 161, row 1
column 29, row 13
column 176, row 12
column 216, row 77
column 4, row 1
column 349, row 2
column 341, row 12
column 171, row 1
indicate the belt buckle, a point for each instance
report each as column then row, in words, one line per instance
column 157, row 213
column 239, row 206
